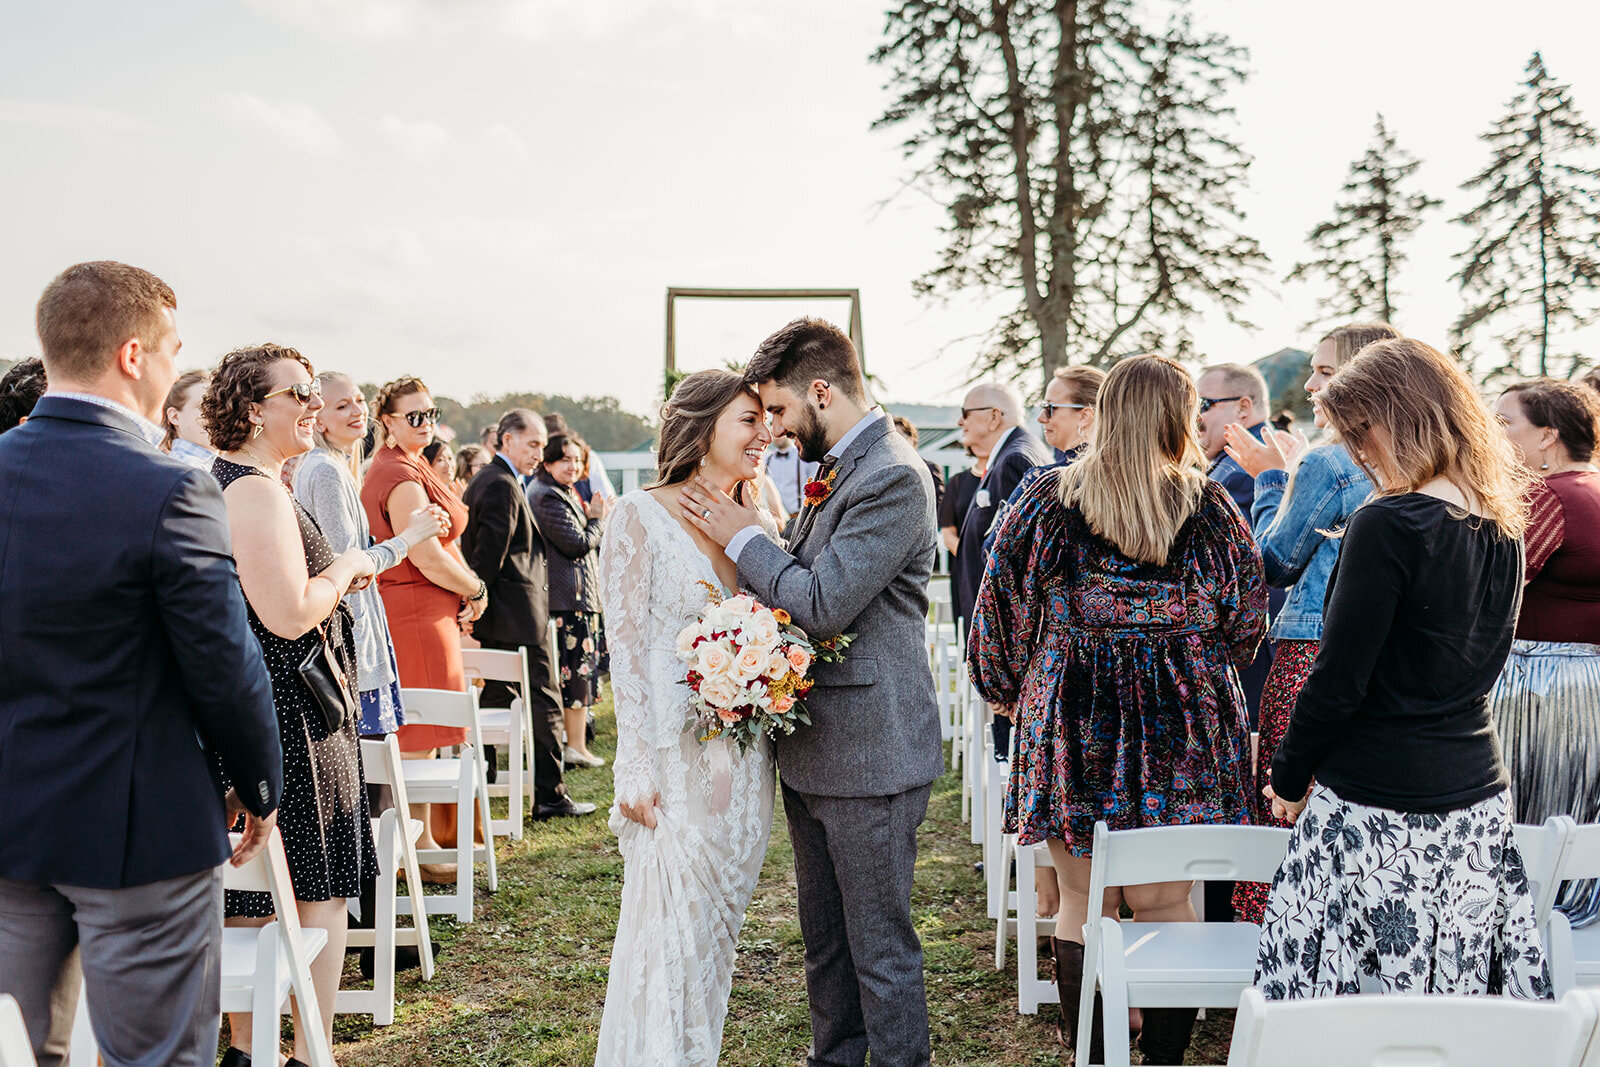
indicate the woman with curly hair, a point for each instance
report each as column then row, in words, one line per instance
column 1402, row 873
column 428, row 595
column 259, row 408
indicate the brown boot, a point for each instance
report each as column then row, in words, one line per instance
column 1069, row 985
column 1166, row 1034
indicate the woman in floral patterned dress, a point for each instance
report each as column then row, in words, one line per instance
column 1402, row 874
column 1122, row 594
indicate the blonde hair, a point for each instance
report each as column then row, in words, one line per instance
column 1436, row 424
column 1350, row 339
column 1144, row 473
column 353, row 460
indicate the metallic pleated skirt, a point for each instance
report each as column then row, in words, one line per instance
column 1546, row 707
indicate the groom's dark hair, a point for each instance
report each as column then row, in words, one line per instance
column 802, row 352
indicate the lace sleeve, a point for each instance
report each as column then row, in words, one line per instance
column 625, row 594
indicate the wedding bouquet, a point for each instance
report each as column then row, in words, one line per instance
column 749, row 668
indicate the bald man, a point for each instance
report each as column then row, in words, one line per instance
column 992, row 427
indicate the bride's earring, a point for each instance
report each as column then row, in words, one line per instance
column 704, row 458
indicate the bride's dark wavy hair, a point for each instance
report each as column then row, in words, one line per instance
column 689, row 420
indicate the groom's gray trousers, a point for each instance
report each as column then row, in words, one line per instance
column 854, row 858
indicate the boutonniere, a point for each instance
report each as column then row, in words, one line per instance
column 819, row 489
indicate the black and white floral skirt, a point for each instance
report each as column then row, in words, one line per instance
column 1376, row 901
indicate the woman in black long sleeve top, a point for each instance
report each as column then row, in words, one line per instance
column 1402, row 874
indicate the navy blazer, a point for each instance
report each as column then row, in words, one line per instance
column 1021, row 453
column 128, row 671
column 502, row 546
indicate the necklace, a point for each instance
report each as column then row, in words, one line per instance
column 255, row 461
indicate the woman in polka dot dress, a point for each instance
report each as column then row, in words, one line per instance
column 259, row 410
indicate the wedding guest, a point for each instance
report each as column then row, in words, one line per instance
column 502, row 543
column 259, row 409
column 486, row 440
column 1546, row 705
column 186, row 436
column 427, row 595
column 958, row 494
column 1123, row 592
column 1066, row 421
column 470, row 459
column 328, row 485
column 437, row 454
column 20, row 390
column 112, row 827
column 1296, row 520
column 1591, row 378
column 574, row 529
column 1403, row 874
column 991, row 426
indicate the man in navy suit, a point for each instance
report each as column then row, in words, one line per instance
column 128, row 678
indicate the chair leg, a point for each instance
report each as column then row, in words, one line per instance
column 384, row 920
column 465, row 875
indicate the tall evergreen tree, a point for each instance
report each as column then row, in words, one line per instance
column 1359, row 250
column 1084, row 156
column 1531, row 266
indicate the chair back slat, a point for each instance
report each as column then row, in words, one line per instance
column 495, row 665
column 16, row 1050
column 1182, row 853
column 1459, row 1031
column 1543, row 849
column 438, row 707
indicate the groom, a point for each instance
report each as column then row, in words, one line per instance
column 856, row 782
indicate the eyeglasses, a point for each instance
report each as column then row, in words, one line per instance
column 967, row 413
column 418, row 419
column 1051, row 409
column 1209, row 402
column 301, row 391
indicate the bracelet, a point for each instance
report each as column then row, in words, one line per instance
column 337, row 595
column 483, row 591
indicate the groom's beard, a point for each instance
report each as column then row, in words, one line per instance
column 810, row 436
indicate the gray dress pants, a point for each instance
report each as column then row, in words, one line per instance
column 150, row 957
column 854, row 858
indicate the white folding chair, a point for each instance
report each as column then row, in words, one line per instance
column 1543, row 849
column 455, row 780
column 15, row 1048
column 510, row 727
column 1377, row 1030
column 1575, row 954
column 1172, row 964
column 262, row 966
column 395, row 834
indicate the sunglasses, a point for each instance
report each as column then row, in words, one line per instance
column 967, row 413
column 418, row 419
column 1209, row 402
column 301, row 391
column 1051, row 409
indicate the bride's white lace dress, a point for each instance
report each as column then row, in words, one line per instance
column 687, row 882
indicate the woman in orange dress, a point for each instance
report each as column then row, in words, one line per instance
column 430, row 593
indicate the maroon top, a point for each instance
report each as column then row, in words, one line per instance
column 1562, row 598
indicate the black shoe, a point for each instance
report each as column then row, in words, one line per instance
column 563, row 807
column 1166, row 1034
column 406, row 958
column 234, row 1058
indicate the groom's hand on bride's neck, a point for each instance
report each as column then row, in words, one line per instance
column 713, row 512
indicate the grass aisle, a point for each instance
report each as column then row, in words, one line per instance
column 526, row 982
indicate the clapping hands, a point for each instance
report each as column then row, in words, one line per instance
column 1279, row 450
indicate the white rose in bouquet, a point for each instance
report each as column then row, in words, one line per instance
column 750, row 664
column 719, row 690
column 762, row 629
column 713, row 659
column 686, row 639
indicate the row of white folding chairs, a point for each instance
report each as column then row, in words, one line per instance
column 1574, row 954
column 511, row 728
column 945, row 657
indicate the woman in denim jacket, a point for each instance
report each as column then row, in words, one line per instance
column 1295, row 520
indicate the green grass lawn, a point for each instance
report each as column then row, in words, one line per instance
column 526, row 982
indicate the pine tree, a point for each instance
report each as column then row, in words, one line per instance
column 1359, row 249
column 1086, row 164
column 1531, row 266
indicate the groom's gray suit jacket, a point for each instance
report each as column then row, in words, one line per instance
column 859, row 563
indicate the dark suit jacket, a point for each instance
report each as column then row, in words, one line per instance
column 574, row 539
column 1020, row 453
column 502, row 544
column 125, row 655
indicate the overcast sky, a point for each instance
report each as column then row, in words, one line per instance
column 495, row 194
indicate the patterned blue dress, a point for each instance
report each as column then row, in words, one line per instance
column 1123, row 673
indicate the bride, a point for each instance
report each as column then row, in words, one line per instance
column 692, row 819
